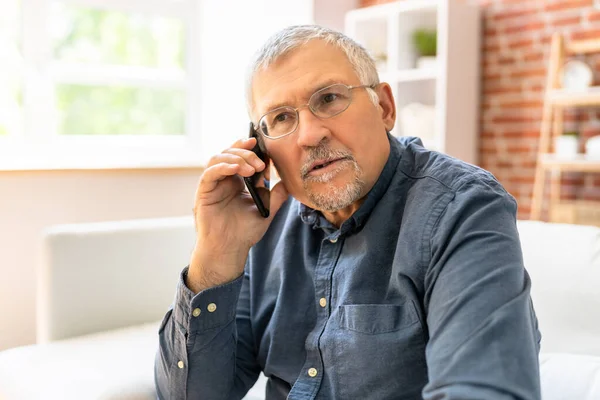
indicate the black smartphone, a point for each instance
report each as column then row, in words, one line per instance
column 258, row 181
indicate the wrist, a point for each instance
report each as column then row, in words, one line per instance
column 206, row 271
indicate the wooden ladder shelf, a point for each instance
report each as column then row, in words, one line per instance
column 556, row 100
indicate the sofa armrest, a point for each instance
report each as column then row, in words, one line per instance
column 107, row 275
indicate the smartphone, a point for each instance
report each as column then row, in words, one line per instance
column 257, row 181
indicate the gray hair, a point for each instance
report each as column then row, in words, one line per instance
column 293, row 37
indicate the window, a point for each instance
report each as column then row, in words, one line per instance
column 117, row 73
column 121, row 81
column 11, row 84
column 99, row 75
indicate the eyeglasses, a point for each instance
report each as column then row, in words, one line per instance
column 324, row 103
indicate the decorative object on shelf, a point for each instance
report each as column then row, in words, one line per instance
column 576, row 75
column 376, row 46
column 418, row 120
column 425, row 42
column 592, row 147
column 566, row 145
column 380, row 59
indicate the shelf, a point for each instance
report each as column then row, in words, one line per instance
column 577, row 212
column 389, row 29
column 410, row 75
column 580, row 163
column 583, row 212
column 571, row 98
column 384, row 10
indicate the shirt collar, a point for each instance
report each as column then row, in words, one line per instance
column 315, row 219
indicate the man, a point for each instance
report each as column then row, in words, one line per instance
column 385, row 271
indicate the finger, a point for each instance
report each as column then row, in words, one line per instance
column 247, row 144
column 245, row 168
column 215, row 174
column 248, row 155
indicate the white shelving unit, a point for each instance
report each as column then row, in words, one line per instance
column 452, row 86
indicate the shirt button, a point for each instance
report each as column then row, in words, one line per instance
column 312, row 372
column 323, row 301
column 196, row 312
column 334, row 240
column 180, row 364
column 212, row 307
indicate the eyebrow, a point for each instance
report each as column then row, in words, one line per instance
column 311, row 91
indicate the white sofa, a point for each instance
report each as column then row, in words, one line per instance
column 104, row 287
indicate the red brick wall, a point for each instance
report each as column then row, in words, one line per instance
column 514, row 58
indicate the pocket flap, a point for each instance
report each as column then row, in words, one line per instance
column 377, row 318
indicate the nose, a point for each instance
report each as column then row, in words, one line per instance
column 311, row 129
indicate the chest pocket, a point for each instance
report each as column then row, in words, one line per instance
column 377, row 318
column 375, row 351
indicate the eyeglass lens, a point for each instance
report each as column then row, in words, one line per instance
column 324, row 103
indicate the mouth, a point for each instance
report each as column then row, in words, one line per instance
column 321, row 166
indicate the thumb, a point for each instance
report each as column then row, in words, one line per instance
column 279, row 195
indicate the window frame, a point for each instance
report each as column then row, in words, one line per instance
column 41, row 73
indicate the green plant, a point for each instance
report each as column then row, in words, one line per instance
column 425, row 41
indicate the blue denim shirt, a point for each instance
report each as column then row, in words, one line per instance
column 422, row 293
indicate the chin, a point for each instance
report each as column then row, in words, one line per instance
column 332, row 197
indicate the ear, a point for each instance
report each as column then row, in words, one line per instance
column 387, row 106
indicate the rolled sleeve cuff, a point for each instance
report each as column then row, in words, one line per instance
column 207, row 309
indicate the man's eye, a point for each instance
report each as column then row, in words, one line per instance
column 281, row 117
column 329, row 98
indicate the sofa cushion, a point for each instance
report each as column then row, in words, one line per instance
column 111, row 365
column 564, row 264
column 570, row 376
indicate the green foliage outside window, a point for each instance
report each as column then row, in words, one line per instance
column 92, row 36
column 102, row 110
column 110, row 37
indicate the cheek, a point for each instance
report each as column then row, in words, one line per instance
column 287, row 168
column 365, row 137
column 357, row 135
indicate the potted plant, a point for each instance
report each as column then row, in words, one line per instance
column 425, row 42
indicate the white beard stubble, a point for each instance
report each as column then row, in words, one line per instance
column 336, row 198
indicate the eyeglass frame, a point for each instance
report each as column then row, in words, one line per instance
column 297, row 109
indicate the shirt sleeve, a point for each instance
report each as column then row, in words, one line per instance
column 483, row 334
column 205, row 344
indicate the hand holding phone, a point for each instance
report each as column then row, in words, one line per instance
column 258, row 183
column 225, row 228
